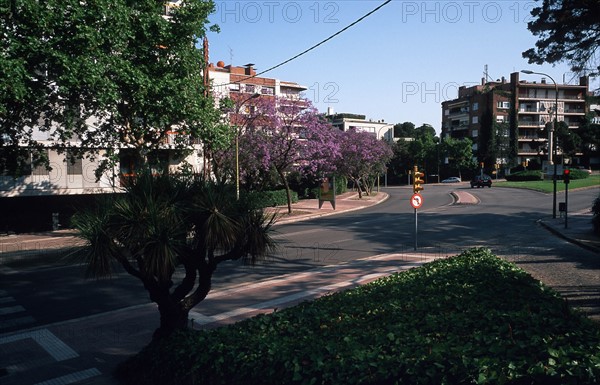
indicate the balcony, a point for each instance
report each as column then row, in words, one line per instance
column 574, row 111
column 530, row 137
column 531, row 123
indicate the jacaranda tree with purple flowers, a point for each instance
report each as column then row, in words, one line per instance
column 362, row 158
column 289, row 135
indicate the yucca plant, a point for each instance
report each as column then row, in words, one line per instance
column 166, row 223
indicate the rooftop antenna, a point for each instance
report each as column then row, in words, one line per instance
column 486, row 75
column 230, row 56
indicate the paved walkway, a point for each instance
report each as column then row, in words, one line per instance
column 85, row 351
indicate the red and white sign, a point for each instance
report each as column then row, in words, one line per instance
column 416, row 201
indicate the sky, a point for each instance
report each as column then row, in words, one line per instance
column 397, row 65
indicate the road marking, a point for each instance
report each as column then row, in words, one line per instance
column 11, row 309
column 6, row 299
column 16, row 322
column 72, row 378
column 48, row 341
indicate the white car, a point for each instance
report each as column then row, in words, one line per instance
column 452, row 179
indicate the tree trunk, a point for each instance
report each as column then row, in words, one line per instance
column 174, row 308
column 358, row 187
column 173, row 317
column 287, row 190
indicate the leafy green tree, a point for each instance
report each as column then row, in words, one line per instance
column 404, row 130
column 567, row 30
column 590, row 138
column 402, row 159
column 459, row 153
column 166, row 227
column 567, row 140
column 419, row 149
column 100, row 74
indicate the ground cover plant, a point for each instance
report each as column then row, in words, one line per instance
column 469, row 319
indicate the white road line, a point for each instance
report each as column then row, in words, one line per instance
column 72, row 378
column 16, row 322
column 6, row 299
column 11, row 309
column 48, row 341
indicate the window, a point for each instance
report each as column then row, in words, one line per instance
column 234, row 87
column 475, row 119
column 250, row 88
column 503, row 105
column 267, row 91
column 74, row 164
column 475, row 106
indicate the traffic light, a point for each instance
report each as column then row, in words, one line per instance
column 417, row 181
column 566, row 175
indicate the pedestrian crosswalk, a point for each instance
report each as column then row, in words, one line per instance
column 13, row 316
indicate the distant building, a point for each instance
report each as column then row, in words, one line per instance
column 228, row 80
column 504, row 118
column 347, row 121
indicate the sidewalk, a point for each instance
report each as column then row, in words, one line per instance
column 309, row 208
column 575, row 228
column 86, row 351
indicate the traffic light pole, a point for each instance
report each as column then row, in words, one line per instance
column 566, row 179
column 566, row 204
column 416, row 229
column 417, row 200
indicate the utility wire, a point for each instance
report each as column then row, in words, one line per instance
column 313, row 47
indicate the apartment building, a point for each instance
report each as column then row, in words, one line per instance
column 504, row 118
column 237, row 81
column 346, row 121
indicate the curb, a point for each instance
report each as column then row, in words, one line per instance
column 464, row 198
column 300, row 218
column 567, row 238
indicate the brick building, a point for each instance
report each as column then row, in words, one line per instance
column 505, row 118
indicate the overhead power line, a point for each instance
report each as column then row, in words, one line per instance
column 314, row 46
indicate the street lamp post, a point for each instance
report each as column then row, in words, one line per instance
column 237, row 148
column 551, row 145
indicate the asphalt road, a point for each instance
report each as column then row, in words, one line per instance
column 504, row 220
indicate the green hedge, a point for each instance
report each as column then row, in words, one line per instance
column 341, row 186
column 270, row 198
column 538, row 175
column 470, row 319
column 578, row 174
column 525, row 176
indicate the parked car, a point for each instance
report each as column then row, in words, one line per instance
column 452, row 179
column 481, row 181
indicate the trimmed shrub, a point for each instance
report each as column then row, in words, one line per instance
column 576, row 173
column 261, row 199
column 341, row 186
column 525, row 176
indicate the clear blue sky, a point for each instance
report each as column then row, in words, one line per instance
column 398, row 64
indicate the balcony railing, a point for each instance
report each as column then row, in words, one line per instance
column 531, row 123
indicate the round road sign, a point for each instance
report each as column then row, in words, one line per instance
column 416, row 201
